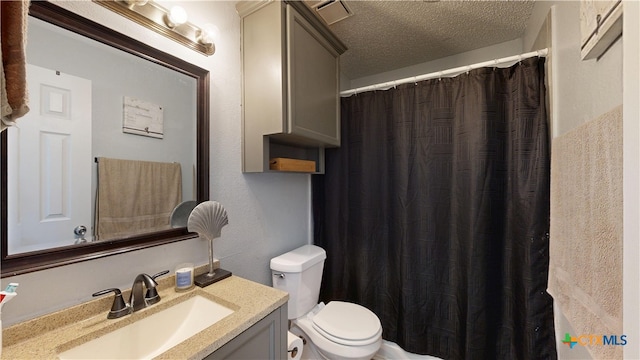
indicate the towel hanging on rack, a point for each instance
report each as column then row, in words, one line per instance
column 135, row 197
column 586, row 232
column 13, row 77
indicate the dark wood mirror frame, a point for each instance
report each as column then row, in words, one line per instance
column 39, row 260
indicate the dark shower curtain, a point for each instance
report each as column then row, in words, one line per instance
column 434, row 214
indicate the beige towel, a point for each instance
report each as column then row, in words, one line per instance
column 13, row 75
column 585, row 270
column 135, row 197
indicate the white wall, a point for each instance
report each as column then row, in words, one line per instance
column 581, row 91
column 268, row 213
column 509, row 48
column 631, row 171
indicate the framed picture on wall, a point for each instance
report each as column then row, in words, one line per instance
column 142, row 118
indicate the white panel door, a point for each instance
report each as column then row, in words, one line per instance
column 50, row 176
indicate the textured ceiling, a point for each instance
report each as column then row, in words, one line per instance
column 388, row 35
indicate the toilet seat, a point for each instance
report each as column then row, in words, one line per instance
column 363, row 327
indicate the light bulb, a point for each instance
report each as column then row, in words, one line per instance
column 177, row 16
column 136, row 2
column 209, row 33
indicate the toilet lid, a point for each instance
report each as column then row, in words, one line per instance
column 347, row 323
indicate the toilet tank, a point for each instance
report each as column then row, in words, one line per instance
column 299, row 272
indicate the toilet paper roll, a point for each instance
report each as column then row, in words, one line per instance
column 294, row 346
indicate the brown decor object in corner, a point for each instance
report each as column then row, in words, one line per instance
column 293, row 165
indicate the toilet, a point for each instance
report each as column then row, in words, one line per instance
column 337, row 330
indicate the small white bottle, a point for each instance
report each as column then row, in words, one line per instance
column 184, row 277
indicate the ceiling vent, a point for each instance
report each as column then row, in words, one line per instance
column 331, row 11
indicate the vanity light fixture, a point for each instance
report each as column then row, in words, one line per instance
column 171, row 23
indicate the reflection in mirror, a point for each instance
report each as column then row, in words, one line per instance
column 97, row 105
column 140, row 110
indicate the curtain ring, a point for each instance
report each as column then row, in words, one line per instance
column 439, row 75
column 415, row 81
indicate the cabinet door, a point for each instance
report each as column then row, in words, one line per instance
column 313, row 76
column 266, row 340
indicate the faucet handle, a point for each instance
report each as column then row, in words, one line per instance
column 119, row 308
column 151, row 296
column 160, row 274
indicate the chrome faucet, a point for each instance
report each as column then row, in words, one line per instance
column 137, row 301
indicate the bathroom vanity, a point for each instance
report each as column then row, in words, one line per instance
column 257, row 327
column 261, row 341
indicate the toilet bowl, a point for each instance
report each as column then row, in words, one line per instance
column 337, row 330
column 342, row 330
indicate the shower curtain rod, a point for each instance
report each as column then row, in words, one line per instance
column 445, row 73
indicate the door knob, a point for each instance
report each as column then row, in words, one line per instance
column 80, row 230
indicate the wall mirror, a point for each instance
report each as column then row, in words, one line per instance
column 128, row 75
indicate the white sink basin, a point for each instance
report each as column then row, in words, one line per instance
column 153, row 335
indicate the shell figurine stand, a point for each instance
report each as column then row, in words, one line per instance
column 207, row 219
column 207, row 279
column 214, row 275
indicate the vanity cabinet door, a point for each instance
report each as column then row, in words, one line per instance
column 314, row 103
column 267, row 340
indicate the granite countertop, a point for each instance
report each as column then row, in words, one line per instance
column 47, row 336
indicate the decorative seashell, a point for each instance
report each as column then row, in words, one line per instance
column 207, row 219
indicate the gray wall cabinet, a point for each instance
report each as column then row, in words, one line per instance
column 290, row 83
